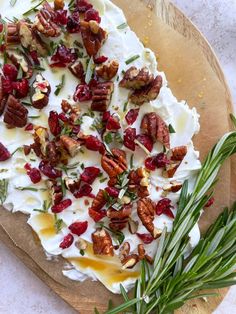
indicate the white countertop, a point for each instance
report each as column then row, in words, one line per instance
column 21, row 291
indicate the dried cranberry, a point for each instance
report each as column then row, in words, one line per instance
column 53, row 122
column 76, row 129
column 147, row 238
column 1, row 27
column 21, row 88
column 131, row 116
column 78, row 227
column 129, row 138
column 82, row 6
column 35, row 175
column 29, row 127
column 112, row 191
column 4, row 153
column 113, row 123
column 85, row 190
column 97, row 215
column 67, row 241
column 93, row 143
column 106, row 115
column 3, row 47
column 64, row 55
column 73, row 23
column 92, row 14
column 7, row 86
column 48, row 170
column 10, row 71
column 82, row 93
column 61, row 206
column 146, row 141
column 161, row 160
column 60, row 17
column 34, row 57
column 150, row 163
column 90, row 174
column 164, row 207
column 210, row 202
column 62, row 117
column 93, row 82
column 100, row 59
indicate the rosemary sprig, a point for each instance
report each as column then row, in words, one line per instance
column 33, row 9
column 3, row 190
column 60, row 86
column 171, row 280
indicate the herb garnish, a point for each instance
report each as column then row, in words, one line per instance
column 108, row 138
column 125, row 106
column 13, row 2
column 122, row 26
column 90, row 70
column 28, row 188
column 132, row 161
column 132, row 59
column 34, row 9
column 118, row 234
column 171, row 129
column 33, row 117
column 58, row 223
column 3, row 190
column 46, row 206
column 60, row 86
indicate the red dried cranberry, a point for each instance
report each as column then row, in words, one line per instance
column 4, row 153
column 150, row 163
column 3, row 47
column 84, row 190
column 93, row 82
column 210, row 202
column 113, row 123
column 67, row 241
column 92, row 14
column 53, row 122
column 60, row 17
column 97, row 215
column 61, row 206
column 100, row 59
column 82, row 6
column 62, row 117
column 112, row 191
column 129, row 138
column 146, row 141
column 48, row 170
column 21, row 88
column 147, row 238
column 35, row 175
column 64, row 55
column 93, row 143
column 90, row 174
column 73, row 23
column 76, row 129
column 34, row 57
column 29, row 127
column 7, row 86
column 106, row 115
column 161, row 160
column 131, row 116
column 82, row 93
column 164, row 207
column 78, row 227
column 1, row 27
column 10, row 71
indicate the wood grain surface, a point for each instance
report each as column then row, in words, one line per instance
column 194, row 74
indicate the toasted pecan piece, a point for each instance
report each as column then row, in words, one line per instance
column 40, row 92
column 155, row 127
column 99, row 201
column 138, row 182
column 55, row 191
column 102, row 96
column 71, row 145
column 119, row 218
column 124, row 251
column 108, row 70
column 147, row 93
column 77, row 69
column 12, row 34
column 114, row 164
column 59, row 4
column 142, row 254
column 93, row 36
column 130, row 261
column 15, row 113
column 136, row 79
column 102, row 243
column 178, row 153
column 72, row 184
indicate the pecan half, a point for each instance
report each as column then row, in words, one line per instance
column 72, row 184
column 108, row 71
column 65, row 106
column 178, row 153
column 102, row 96
column 12, row 34
column 99, row 201
column 146, row 211
column 136, row 79
column 119, row 218
column 124, row 251
column 77, row 69
column 40, row 92
column 93, row 36
column 15, row 113
column 130, row 261
column 71, row 145
column 147, row 93
column 114, row 164
column 52, row 153
column 55, row 191
column 138, row 182
column 153, row 126
column 44, row 24
column 102, row 243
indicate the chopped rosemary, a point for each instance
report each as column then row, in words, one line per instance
column 71, row 5
column 46, row 206
column 108, row 138
column 125, row 106
column 33, row 9
column 118, row 234
column 38, row 67
column 26, row 188
column 26, row 103
column 171, row 129
column 122, row 26
column 132, row 161
column 81, row 252
column 20, row 73
column 3, row 190
column 102, row 180
column 132, row 59
column 60, row 86
column 3, row 170
column 65, row 168
column 16, row 150
column 90, row 70
column 63, row 187
column 33, row 117
column 58, row 223
column 13, row 2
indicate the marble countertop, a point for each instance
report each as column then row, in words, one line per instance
column 21, row 290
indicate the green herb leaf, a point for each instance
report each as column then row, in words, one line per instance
column 108, row 138
column 122, row 26
column 26, row 188
column 60, row 86
column 132, row 59
column 171, row 129
column 125, row 106
column 58, row 224
column 3, row 190
column 90, row 71
column 13, row 2
column 33, row 9
column 34, row 117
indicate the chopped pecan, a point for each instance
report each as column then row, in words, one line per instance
column 15, row 113
column 114, row 164
column 146, row 211
column 99, row 201
column 108, row 71
column 12, row 34
column 40, row 92
column 102, row 96
column 41, row 138
column 72, row 184
column 133, row 226
column 124, row 251
column 93, row 36
column 136, row 79
column 21, row 60
column 138, row 182
column 59, row 4
column 44, row 24
column 30, row 39
column 147, row 93
column 119, row 218
column 77, row 69
column 178, row 153
column 142, row 254
column 153, row 126
column 71, row 145
column 102, row 243
column 52, row 153
column 56, row 191
column 172, row 187
column 81, row 244
column 130, row 261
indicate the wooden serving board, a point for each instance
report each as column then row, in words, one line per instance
column 194, row 74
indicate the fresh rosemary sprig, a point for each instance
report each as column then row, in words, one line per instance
column 172, row 280
column 3, row 190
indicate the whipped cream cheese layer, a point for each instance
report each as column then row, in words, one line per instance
column 121, row 44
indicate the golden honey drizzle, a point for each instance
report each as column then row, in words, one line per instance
column 46, row 224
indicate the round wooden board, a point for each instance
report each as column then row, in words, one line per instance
column 194, row 74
